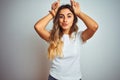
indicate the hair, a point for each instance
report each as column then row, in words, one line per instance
column 56, row 44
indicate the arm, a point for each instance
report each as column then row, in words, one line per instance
column 91, row 25
column 40, row 25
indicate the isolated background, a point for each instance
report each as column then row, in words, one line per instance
column 23, row 54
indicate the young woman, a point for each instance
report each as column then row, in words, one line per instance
column 65, row 40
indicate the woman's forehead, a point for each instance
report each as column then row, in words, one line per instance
column 65, row 11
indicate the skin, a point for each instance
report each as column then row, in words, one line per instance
column 91, row 25
column 66, row 20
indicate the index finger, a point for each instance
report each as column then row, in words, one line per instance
column 58, row 1
column 72, row 2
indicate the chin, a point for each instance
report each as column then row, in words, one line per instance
column 65, row 27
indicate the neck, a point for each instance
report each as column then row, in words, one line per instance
column 65, row 31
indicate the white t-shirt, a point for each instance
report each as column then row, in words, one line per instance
column 68, row 66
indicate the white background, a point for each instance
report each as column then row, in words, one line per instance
column 23, row 54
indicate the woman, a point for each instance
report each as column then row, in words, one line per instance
column 65, row 40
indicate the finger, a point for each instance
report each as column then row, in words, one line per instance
column 77, row 4
column 54, row 5
column 58, row 1
column 72, row 2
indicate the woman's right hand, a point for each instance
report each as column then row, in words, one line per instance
column 54, row 7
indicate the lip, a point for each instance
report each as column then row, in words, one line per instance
column 64, row 24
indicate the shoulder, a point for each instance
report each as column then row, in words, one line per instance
column 79, row 36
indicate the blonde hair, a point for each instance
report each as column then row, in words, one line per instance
column 56, row 44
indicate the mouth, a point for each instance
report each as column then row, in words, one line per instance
column 64, row 24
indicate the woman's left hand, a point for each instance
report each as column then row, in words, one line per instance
column 75, row 6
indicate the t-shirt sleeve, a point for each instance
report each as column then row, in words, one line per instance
column 80, row 38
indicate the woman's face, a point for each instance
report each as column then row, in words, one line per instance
column 66, row 18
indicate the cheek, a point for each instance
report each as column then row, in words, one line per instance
column 71, row 22
column 60, row 21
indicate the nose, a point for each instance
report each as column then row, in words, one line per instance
column 65, row 19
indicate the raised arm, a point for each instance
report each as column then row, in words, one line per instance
column 91, row 25
column 40, row 25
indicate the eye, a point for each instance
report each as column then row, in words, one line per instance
column 69, row 16
column 61, row 16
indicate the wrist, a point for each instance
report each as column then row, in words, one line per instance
column 79, row 14
column 52, row 13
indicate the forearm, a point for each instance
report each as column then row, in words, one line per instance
column 89, row 22
column 42, row 23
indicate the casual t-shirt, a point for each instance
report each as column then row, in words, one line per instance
column 68, row 66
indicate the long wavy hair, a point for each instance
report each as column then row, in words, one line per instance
column 56, row 44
